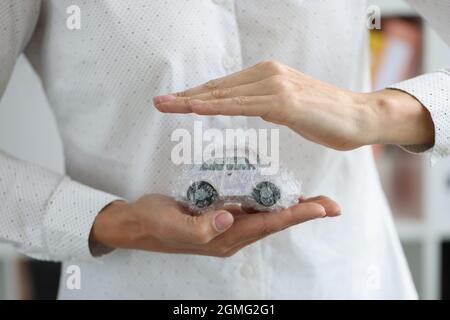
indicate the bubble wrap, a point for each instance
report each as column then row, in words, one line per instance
column 235, row 181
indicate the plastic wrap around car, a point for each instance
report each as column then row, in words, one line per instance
column 235, row 181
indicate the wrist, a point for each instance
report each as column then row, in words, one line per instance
column 370, row 113
column 398, row 118
column 109, row 230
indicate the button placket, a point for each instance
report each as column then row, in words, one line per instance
column 251, row 272
column 232, row 59
column 247, row 271
column 219, row 2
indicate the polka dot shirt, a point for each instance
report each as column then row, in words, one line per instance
column 101, row 62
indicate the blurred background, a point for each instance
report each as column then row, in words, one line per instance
column 419, row 195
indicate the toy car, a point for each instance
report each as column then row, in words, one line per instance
column 221, row 181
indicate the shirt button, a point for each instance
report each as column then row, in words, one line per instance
column 228, row 62
column 247, row 271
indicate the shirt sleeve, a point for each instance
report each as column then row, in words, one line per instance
column 43, row 214
column 433, row 89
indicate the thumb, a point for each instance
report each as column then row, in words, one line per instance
column 211, row 224
column 220, row 221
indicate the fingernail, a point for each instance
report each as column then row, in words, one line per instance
column 223, row 220
column 164, row 98
column 323, row 214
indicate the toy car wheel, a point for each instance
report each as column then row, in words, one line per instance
column 202, row 194
column 266, row 193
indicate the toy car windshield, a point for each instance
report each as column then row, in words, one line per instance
column 234, row 163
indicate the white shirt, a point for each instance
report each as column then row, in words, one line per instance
column 100, row 81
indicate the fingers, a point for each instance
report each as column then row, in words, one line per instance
column 221, row 233
column 255, row 91
column 253, row 106
column 245, row 76
column 237, row 106
column 172, row 104
column 260, row 88
column 248, row 209
column 331, row 207
column 261, row 225
column 258, row 226
column 258, row 80
column 258, row 72
column 228, row 100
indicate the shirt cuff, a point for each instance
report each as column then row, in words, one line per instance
column 69, row 218
column 433, row 91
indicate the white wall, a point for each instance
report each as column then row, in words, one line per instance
column 27, row 128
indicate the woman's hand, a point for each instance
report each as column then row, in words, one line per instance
column 318, row 111
column 158, row 223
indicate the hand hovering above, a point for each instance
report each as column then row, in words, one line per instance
column 321, row 112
